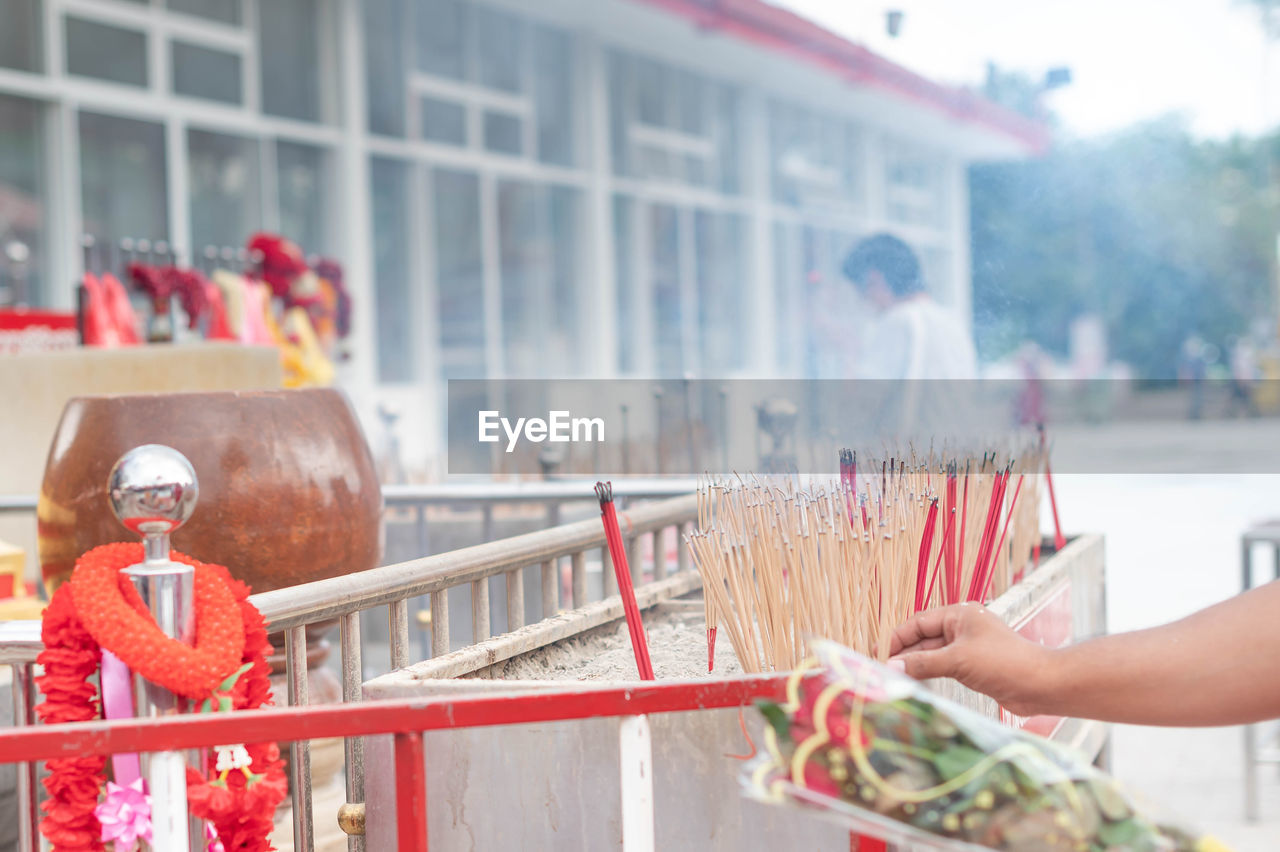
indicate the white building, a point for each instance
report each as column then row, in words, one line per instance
column 576, row 188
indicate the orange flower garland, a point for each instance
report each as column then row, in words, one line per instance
column 110, row 609
column 100, row 608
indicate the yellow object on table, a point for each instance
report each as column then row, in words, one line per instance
column 17, row 604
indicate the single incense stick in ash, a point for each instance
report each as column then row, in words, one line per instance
column 618, row 553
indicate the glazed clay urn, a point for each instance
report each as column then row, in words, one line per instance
column 288, row 491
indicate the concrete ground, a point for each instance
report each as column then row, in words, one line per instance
column 1173, row 546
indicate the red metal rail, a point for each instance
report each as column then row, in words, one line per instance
column 406, row 719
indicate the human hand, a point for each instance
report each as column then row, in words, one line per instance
column 969, row 643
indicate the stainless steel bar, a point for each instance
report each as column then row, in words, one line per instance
column 19, row 642
column 610, row 579
column 352, row 677
column 440, row 622
column 322, row 599
column 579, row 568
column 415, row 496
column 398, row 622
column 545, row 491
column 480, row 610
column 515, row 599
column 295, row 656
column 550, row 589
column 682, row 547
column 23, row 687
column 659, row 556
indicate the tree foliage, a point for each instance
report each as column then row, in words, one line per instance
column 1159, row 233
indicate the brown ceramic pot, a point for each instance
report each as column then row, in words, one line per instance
column 288, row 491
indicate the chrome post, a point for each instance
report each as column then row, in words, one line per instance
column 153, row 491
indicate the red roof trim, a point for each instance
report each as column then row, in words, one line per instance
column 785, row 32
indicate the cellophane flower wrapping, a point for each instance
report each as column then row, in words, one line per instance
column 866, row 745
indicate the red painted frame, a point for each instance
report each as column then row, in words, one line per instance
column 406, row 719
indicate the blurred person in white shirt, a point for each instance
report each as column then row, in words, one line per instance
column 914, row 337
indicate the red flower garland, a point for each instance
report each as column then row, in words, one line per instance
column 69, row 657
column 111, row 610
column 100, row 608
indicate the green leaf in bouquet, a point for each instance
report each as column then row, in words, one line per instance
column 1110, row 800
column 777, row 718
column 1120, row 833
column 943, row 728
column 957, row 759
column 922, row 711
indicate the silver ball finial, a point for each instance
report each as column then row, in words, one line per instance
column 153, row 490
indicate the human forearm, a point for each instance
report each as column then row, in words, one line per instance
column 1219, row 666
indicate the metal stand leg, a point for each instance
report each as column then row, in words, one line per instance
column 1251, row 773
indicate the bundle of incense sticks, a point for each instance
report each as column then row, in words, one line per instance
column 849, row 560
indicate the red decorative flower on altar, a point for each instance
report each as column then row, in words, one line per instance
column 282, row 261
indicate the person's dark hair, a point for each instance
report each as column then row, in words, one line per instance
column 889, row 256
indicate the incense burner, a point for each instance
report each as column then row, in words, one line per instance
column 288, row 488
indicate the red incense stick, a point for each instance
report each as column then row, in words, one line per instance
column 947, row 536
column 922, row 559
column 988, row 536
column 612, row 534
column 986, row 587
column 1059, row 540
column 953, row 580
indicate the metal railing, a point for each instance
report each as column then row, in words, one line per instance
column 406, row 720
column 392, row 586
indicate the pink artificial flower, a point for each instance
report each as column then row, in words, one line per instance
column 125, row 815
column 211, row 835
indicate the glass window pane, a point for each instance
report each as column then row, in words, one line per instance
column 788, row 290
column 553, row 96
column 390, row 184
column 223, row 11
column 302, row 181
column 524, row 257
column 444, row 121
column 668, row 310
column 914, row 192
column 722, row 308
column 727, row 140
column 385, row 65
column 106, row 52
column 22, row 204
column 459, row 280
column 122, row 178
column 624, row 248
column 289, row 50
column 441, row 30
column 20, row 37
column 649, row 82
column 503, row 132
column 204, row 73
column 537, row 228
column 692, row 102
column 620, row 106
column 566, row 225
column 223, row 176
column 499, row 49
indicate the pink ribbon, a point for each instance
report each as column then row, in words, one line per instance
column 117, row 703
